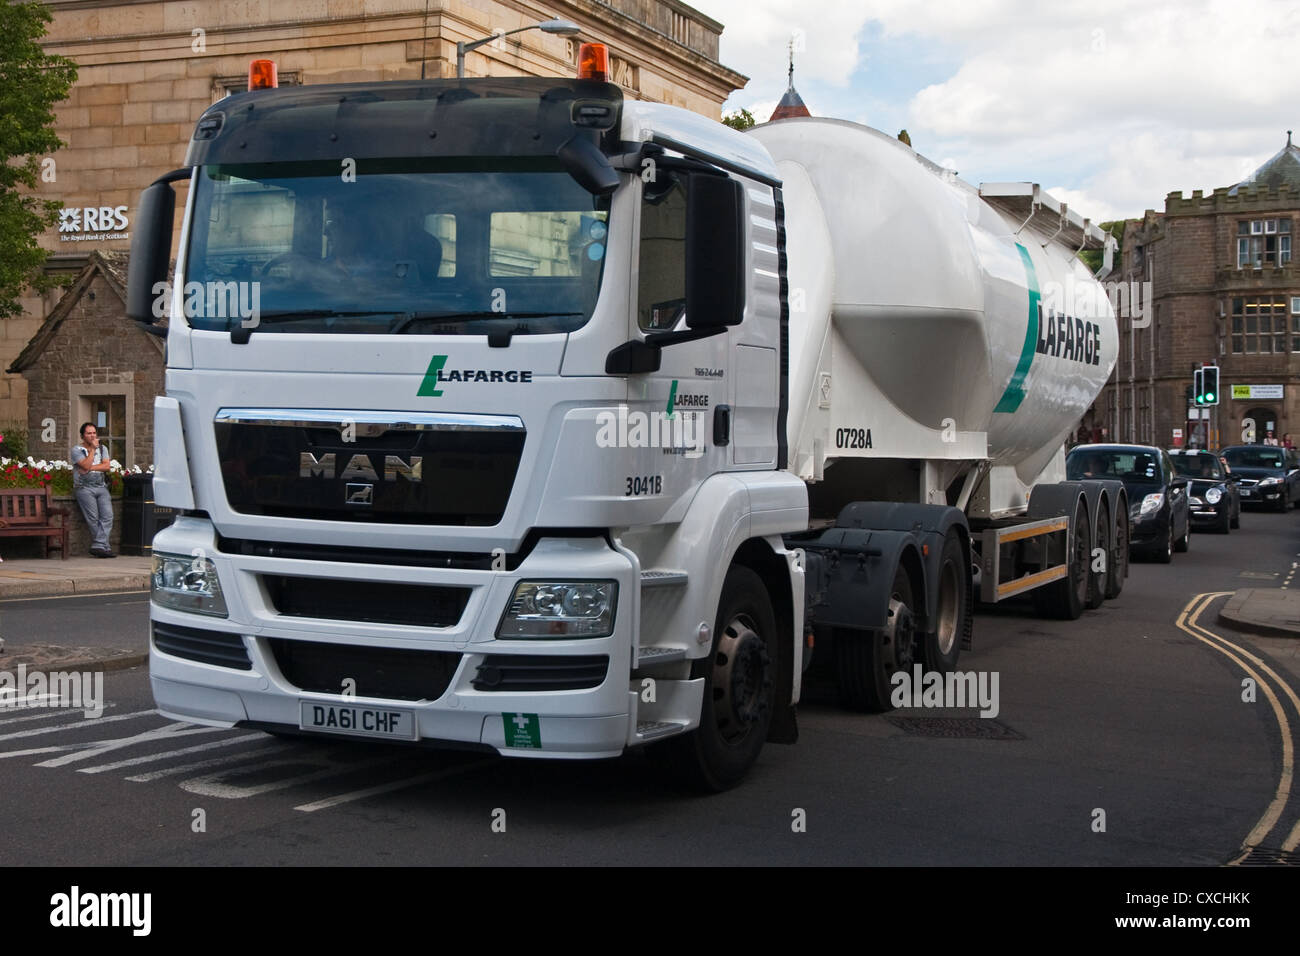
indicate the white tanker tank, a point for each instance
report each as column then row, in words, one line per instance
column 929, row 319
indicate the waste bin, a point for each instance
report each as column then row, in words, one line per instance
column 141, row 518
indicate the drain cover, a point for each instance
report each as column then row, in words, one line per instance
column 1270, row 856
column 968, row 728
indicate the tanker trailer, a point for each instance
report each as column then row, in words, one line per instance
column 944, row 341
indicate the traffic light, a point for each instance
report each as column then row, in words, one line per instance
column 1210, row 385
column 1198, row 386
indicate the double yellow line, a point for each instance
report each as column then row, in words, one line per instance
column 1249, row 662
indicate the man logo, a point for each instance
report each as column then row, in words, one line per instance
column 360, row 494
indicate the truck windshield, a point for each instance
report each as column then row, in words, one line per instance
column 404, row 246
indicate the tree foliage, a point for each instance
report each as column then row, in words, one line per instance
column 739, row 119
column 1093, row 258
column 31, row 82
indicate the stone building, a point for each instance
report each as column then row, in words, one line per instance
column 1224, row 290
column 149, row 68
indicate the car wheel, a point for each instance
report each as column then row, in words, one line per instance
column 1166, row 553
column 1236, row 516
column 1185, row 542
column 1225, row 522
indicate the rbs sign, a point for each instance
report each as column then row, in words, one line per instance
column 78, row 223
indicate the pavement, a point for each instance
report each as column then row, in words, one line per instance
column 37, row 578
column 1273, row 612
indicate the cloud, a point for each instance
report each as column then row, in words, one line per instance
column 1115, row 103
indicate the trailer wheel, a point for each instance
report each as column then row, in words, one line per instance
column 866, row 660
column 1099, row 581
column 1065, row 599
column 1119, row 552
column 738, row 688
column 941, row 645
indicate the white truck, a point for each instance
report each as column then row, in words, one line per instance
column 510, row 414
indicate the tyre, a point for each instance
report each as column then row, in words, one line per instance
column 1225, row 523
column 866, row 660
column 1099, row 581
column 1119, row 553
column 941, row 646
column 1284, row 504
column 1166, row 554
column 739, row 688
column 1185, row 542
column 1236, row 517
column 1065, row 599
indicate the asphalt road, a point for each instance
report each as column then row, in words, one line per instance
column 1121, row 738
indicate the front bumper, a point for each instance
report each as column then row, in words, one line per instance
column 585, row 722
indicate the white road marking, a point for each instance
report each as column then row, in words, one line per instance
column 388, row 787
column 56, row 712
column 95, row 721
column 210, row 785
column 150, row 758
column 253, row 753
column 95, row 748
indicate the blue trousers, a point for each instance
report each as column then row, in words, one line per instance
column 97, row 507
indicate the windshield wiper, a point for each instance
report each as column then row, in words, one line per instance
column 239, row 334
column 410, row 317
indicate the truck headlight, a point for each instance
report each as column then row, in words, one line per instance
column 1213, row 496
column 187, row 584
column 560, row 609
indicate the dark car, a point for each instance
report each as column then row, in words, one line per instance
column 1270, row 474
column 1159, row 518
column 1212, row 491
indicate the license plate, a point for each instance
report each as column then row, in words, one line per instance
column 358, row 719
column 1245, row 492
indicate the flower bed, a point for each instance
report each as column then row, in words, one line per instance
column 57, row 475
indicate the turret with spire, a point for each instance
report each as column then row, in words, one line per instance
column 1282, row 169
column 791, row 104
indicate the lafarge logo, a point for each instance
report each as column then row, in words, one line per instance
column 79, row 223
column 438, row 374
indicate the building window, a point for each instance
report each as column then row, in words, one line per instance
column 1295, row 323
column 1259, row 324
column 1263, row 242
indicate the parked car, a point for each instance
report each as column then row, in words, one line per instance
column 1159, row 518
column 1270, row 474
column 1212, row 495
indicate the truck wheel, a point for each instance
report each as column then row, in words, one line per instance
column 941, row 646
column 865, row 660
column 1064, row 599
column 1119, row 553
column 738, row 688
column 1099, row 581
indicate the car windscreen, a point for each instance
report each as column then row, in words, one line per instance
column 1139, row 466
column 469, row 246
column 1197, row 466
column 1254, row 457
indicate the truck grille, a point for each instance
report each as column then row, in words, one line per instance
column 386, row 672
column 517, row 672
column 207, row 647
column 377, row 602
column 398, row 468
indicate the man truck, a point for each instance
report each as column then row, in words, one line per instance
column 512, row 414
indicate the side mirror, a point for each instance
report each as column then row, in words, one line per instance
column 589, row 167
column 715, row 253
column 151, row 247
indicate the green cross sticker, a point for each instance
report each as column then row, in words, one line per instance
column 523, row 731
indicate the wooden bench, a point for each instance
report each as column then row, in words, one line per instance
column 27, row 512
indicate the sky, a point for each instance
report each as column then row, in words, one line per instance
column 1109, row 104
